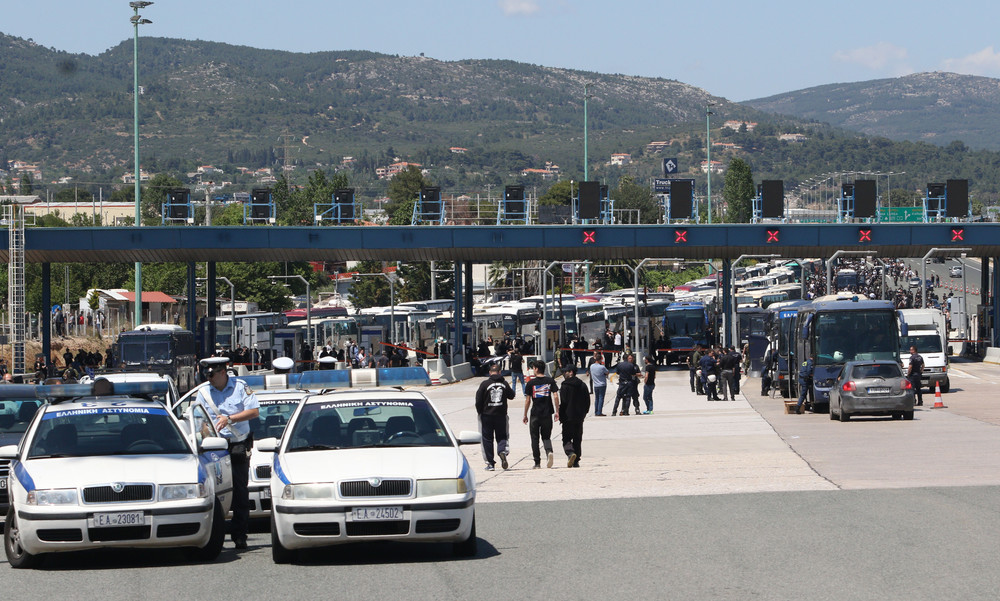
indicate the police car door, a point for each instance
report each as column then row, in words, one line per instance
column 218, row 464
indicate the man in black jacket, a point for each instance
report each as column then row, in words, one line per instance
column 575, row 403
column 491, row 405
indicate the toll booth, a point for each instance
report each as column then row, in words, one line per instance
column 949, row 200
column 177, row 208
column 678, row 199
column 513, row 208
column 769, row 203
column 260, row 209
column 340, row 211
column 429, row 209
column 593, row 204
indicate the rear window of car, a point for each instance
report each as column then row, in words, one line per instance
column 877, row 370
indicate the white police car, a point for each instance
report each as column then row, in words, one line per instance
column 376, row 464
column 279, row 395
column 102, row 465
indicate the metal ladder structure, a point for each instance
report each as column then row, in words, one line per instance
column 14, row 214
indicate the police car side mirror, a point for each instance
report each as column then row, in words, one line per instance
column 267, row 445
column 214, row 443
column 469, row 437
column 8, row 452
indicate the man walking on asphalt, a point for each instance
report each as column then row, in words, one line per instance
column 599, row 379
column 516, row 361
column 575, row 406
column 491, row 405
column 541, row 397
column 913, row 373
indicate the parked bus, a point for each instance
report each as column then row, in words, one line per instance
column 686, row 324
column 165, row 349
column 834, row 330
column 782, row 344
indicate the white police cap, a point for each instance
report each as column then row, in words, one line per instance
column 212, row 361
column 283, row 363
column 328, row 359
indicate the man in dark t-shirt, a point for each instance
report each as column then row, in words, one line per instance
column 649, row 383
column 627, row 381
column 541, row 398
column 516, row 362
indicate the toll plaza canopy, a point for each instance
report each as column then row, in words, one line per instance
column 485, row 244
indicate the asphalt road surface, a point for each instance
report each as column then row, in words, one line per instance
column 701, row 500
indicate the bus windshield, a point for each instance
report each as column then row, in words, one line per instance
column 141, row 350
column 686, row 322
column 843, row 336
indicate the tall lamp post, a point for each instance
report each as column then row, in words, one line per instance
column 708, row 157
column 232, row 309
column 137, row 20
column 586, row 172
column 309, row 322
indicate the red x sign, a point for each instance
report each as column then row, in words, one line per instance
column 589, row 236
column 864, row 235
column 772, row 235
column 680, row 236
column 957, row 235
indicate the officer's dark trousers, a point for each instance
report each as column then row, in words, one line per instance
column 241, row 496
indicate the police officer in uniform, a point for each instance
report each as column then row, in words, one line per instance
column 232, row 405
column 283, row 365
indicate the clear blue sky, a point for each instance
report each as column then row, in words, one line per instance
column 738, row 50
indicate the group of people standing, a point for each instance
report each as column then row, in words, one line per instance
column 712, row 368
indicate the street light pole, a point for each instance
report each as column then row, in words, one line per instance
column 839, row 253
column 136, row 22
column 734, row 329
column 708, row 156
column 309, row 327
column 232, row 310
column 923, row 269
column 586, row 171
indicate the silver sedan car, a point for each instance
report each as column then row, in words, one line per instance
column 871, row 388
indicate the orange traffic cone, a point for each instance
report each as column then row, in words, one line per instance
column 938, row 403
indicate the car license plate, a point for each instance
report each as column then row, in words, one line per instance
column 265, row 493
column 118, row 518
column 879, row 390
column 370, row 514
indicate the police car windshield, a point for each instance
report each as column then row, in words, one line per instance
column 274, row 415
column 89, row 431
column 15, row 414
column 363, row 424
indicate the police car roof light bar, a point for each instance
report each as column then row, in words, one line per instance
column 57, row 393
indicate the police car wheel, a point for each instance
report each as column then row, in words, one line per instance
column 469, row 546
column 17, row 557
column 213, row 547
column 279, row 554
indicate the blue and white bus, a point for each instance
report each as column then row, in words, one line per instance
column 833, row 330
